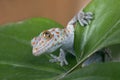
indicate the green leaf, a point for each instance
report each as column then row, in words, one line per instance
column 107, row 71
column 16, row 59
column 103, row 31
column 115, row 52
column 18, row 63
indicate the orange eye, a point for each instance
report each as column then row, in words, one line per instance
column 47, row 35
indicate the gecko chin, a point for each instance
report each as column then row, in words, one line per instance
column 48, row 49
column 42, row 51
column 38, row 53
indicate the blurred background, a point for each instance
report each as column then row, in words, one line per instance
column 59, row 10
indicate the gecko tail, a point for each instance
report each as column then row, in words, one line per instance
column 100, row 56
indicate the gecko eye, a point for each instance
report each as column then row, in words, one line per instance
column 47, row 35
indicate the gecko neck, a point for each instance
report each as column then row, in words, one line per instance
column 68, row 42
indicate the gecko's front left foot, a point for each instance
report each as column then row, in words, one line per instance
column 61, row 58
column 84, row 18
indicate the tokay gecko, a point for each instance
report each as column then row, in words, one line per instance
column 50, row 40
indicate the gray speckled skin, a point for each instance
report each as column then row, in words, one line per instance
column 52, row 39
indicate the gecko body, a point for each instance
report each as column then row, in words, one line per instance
column 50, row 40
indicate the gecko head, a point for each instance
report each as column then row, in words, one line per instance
column 47, row 41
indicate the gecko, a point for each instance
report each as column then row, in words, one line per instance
column 56, row 38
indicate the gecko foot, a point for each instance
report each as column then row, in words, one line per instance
column 84, row 18
column 61, row 58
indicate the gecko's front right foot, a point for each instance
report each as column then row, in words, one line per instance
column 84, row 18
column 61, row 58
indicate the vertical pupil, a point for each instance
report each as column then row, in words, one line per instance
column 47, row 34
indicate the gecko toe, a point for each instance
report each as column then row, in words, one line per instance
column 84, row 18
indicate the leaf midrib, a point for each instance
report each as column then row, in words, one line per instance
column 47, row 69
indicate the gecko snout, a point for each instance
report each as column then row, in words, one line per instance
column 35, row 52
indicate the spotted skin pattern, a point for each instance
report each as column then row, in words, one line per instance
column 52, row 39
column 43, row 43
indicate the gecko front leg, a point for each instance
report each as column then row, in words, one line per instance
column 84, row 18
column 61, row 58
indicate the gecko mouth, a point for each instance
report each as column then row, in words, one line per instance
column 40, row 51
